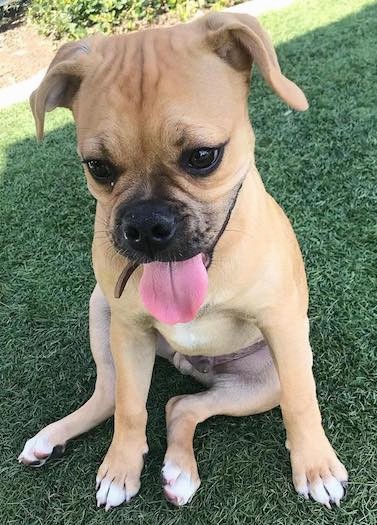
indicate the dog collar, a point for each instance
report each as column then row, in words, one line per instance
column 123, row 279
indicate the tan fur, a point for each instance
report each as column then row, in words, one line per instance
column 138, row 99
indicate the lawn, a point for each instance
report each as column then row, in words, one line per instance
column 321, row 166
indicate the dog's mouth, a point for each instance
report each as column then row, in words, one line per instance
column 172, row 292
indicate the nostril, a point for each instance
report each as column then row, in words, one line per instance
column 132, row 234
column 161, row 232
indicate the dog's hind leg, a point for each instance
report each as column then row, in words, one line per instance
column 246, row 386
column 51, row 440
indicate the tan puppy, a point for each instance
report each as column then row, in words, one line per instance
column 218, row 280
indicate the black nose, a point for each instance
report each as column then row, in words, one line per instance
column 149, row 226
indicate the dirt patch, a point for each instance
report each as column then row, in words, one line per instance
column 23, row 52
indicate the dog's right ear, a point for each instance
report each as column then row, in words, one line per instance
column 240, row 40
column 61, row 83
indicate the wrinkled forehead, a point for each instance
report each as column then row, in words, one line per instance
column 161, row 83
column 150, row 64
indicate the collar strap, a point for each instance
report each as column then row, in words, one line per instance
column 123, row 279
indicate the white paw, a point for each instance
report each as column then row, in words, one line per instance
column 326, row 491
column 38, row 450
column 118, row 478
column 317, row 471
column 179, row 486
column 112, row 494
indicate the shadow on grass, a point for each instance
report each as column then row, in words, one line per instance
column 321, row 168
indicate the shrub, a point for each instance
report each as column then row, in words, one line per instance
column 76, row 18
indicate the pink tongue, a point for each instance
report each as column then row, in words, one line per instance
column 174, row 292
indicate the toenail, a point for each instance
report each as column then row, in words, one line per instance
column 57, row 451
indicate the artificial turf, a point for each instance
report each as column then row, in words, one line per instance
column 321, row 166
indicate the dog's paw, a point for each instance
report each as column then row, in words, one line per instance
column 179, row 485
column 39, row 449
column 118, row 478
column 319, row 476
column 328, row 490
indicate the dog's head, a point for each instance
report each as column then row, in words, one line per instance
column 163, row 128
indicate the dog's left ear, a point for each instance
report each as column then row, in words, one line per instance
column 61, row 83
column 240, row 40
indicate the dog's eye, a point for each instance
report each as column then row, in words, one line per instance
column 202, row 161
column 100, row 170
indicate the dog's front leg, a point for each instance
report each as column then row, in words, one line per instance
column 133, row 351
column 315, row 467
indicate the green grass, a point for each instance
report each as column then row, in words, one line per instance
column 321, row 166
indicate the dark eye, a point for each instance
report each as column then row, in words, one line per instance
column 101, row 170
column 202, row 161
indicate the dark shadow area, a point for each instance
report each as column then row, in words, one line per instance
column 321, row 167
column 12, row 13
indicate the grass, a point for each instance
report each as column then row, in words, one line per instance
column 321, row 166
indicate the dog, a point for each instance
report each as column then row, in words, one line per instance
column 194, row 260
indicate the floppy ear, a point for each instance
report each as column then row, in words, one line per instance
column 61, row 82
column 240, row 40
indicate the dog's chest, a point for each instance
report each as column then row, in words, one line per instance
column 213, row 335
column 186, row 336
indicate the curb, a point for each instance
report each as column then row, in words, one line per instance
column 20, row 91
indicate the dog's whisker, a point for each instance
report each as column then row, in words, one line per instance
column 232, row 230
column 104, row 222
column 104, row 239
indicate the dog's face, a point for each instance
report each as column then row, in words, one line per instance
column 165, row 143
column 163, row 129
